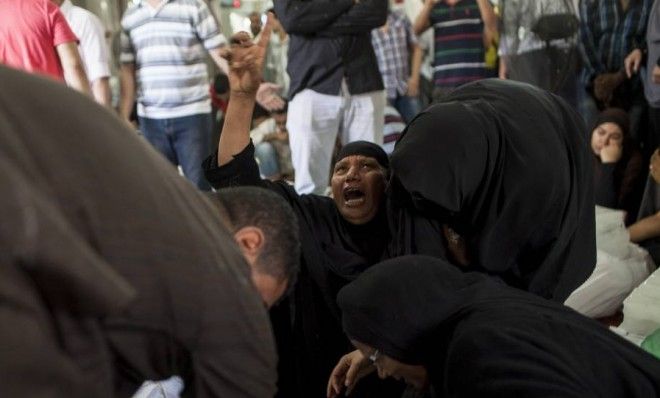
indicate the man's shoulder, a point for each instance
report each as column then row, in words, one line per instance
column 85, row 16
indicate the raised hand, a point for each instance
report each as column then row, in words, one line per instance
column 611, row 153
column 246, row 60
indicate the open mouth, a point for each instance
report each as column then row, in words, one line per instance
column 353, row 196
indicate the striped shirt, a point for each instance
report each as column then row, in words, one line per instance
column 393, row 49
column 608, row 34
column 459, row 48
column 167, row 45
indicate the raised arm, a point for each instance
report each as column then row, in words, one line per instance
column 127, row 97
column 245, row 61
column 301, row 17
column 423, row 20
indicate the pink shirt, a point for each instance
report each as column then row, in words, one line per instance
column 29, row 32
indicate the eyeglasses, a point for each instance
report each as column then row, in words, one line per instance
column 374, row 357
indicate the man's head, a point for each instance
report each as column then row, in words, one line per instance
column 280, row 116
column 266, row 230
column 359, row 181
column 255, row 23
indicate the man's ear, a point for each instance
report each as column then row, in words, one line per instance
column 250, row 239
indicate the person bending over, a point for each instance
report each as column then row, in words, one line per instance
column 460, row 334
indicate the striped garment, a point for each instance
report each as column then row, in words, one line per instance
column 459, row 47
column 167, row 45
column 608, row 34
column 392, row 128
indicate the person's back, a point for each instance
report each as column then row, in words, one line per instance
column 30, row 30
column 197, row 313
column 459, row 55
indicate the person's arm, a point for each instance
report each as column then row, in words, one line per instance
column 587, row 43
column 502, row 72
column 490, row 22
column 300, row 17
column 208, row 32
column 245, row 61
column 74, row 71
column 96, row 57
column 101, row 91
column 415, row 69
column 127, row 97
column 363, row 17
column 423, row 20
column 644, row 229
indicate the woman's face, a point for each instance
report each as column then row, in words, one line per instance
column 414, row 375
column 605, row 134
column 358, row 185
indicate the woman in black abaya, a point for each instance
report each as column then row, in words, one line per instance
column 505, row 168
column 467, row 335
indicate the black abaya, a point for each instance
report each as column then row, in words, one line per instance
column 506, row 165
column 480, row 338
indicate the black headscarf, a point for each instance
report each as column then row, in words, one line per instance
column 365, row 148
column 506, row 165
column 479, row 337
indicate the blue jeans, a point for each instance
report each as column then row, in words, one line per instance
column 408, row 107
column 184, row 141
column 268, row 159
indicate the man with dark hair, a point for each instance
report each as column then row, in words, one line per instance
column 266, row 231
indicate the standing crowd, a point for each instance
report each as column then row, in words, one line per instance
column 376, row 200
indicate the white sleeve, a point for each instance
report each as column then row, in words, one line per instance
column 94, row 48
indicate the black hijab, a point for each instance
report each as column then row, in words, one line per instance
column 506, row 165
column 479, row 337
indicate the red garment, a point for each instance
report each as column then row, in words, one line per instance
column 29, row 32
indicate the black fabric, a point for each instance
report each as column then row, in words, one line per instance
column 307, row 323
column 650, row 206
column 480, row 338
column 331, row 41
column 86, row 204
column 365, row 148
column 505, row 165
column 616, row 116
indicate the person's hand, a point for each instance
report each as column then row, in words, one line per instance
column 611, row 153
column 656, row 74
column 654, row 167
column 633, row 62
column 349, row 370
column 413, row 87
column 268, row 97
column 246, row 61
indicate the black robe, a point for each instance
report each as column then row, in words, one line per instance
column 480, row 338
column 506, row 165
column 307, row 323
column 82, row 193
